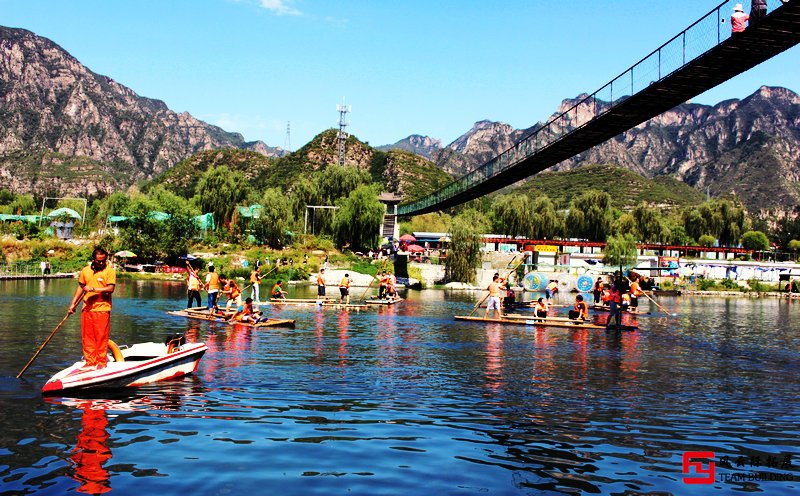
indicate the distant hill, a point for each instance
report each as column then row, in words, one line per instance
column 627, row 188
column 400, row 172
column 53, row 108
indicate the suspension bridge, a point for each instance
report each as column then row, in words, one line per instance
column 697, row 59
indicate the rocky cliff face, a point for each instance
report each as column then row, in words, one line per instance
column 750, row 147
column 50, row 102
column 423, row 146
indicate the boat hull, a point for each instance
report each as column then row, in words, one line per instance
column 144, row 363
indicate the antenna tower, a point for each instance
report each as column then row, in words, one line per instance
column 342, row 137
column 287, row 143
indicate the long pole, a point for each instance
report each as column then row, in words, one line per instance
column 655, row 302
column 506, row 278
column 383, row 264
column 45, row 342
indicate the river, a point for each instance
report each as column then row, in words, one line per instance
column 404, row 400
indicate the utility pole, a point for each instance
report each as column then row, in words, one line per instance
column 342, row 137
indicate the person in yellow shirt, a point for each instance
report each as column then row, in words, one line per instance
column 212, row 286
column 344, row 290
column 636, row 292
column 255, row 281
column 193, row 282
column 96, row 284
column 321, row 283
column 551, row 289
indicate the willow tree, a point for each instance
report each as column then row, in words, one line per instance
column 620, row 251
column 358, row 219
column 464, row 252
column 513, row 215
column 546, row 223
column 273, row 223
column 590, row 216
column 219, row 191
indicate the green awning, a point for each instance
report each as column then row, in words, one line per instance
column 65, row 212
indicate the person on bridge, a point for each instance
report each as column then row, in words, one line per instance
column 758, row 10
column 738, row 19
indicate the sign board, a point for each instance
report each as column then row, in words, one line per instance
column 546, row 248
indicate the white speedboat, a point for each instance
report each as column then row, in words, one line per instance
column 139, row 364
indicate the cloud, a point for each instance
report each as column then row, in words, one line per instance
column 280, row 7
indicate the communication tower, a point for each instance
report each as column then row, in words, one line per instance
column 287, row 143
column 343, row 110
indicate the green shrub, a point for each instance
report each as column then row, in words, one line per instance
column 705, row 284
column 730, row 284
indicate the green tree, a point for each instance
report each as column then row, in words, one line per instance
column 546, row 222
column 219, row 191
column 464, row 252
column 358, row 219
column 755, row 240
column 273, row 224
column 338, row 181
column 707, row 240
column 620, row 251
column 649, row 223
column 626, row 224
column 590, row 216
column 513, row 215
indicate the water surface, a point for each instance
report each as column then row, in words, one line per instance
column 404, row 400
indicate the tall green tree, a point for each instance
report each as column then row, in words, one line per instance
column 755, row 240
column 464, row 251
column 219, row 191
column 649, row 223
column 513, row 215
column 338, row 181
column 546, row 222
column 274, row 222
column 358, row 219
column 620, row 250
column 590, row 216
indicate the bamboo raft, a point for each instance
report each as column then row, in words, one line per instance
column 329, row 303
column 572, row 324
column 204, row 315
column 603, row 308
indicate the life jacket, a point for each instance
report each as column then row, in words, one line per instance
column 582, row 308
column 345, row 282
column 234, row 289
column 320, row 280
column 194, row 282
column 213, row 282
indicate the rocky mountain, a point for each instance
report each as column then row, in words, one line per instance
column 399, row 171
column 53, row 107
column 750, row 147
column 423, row 146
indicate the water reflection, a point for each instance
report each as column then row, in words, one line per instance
column 91, row 450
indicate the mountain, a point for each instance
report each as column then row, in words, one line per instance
column 423, row 146
column 52, row 108
column 399, row 171
column 750, row 147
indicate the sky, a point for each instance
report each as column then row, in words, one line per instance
column 429, row 67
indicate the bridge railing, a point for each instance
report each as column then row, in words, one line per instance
column 703, row 35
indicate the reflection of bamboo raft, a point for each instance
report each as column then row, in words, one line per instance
column 194, row 314
column 575, row 324
column 324, row 304
column 326, row 299
column 384, row 302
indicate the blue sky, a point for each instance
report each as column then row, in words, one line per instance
column 430, row 67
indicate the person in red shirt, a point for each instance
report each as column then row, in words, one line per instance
column 581, row 309
column 96, row 283
column 738, row 19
